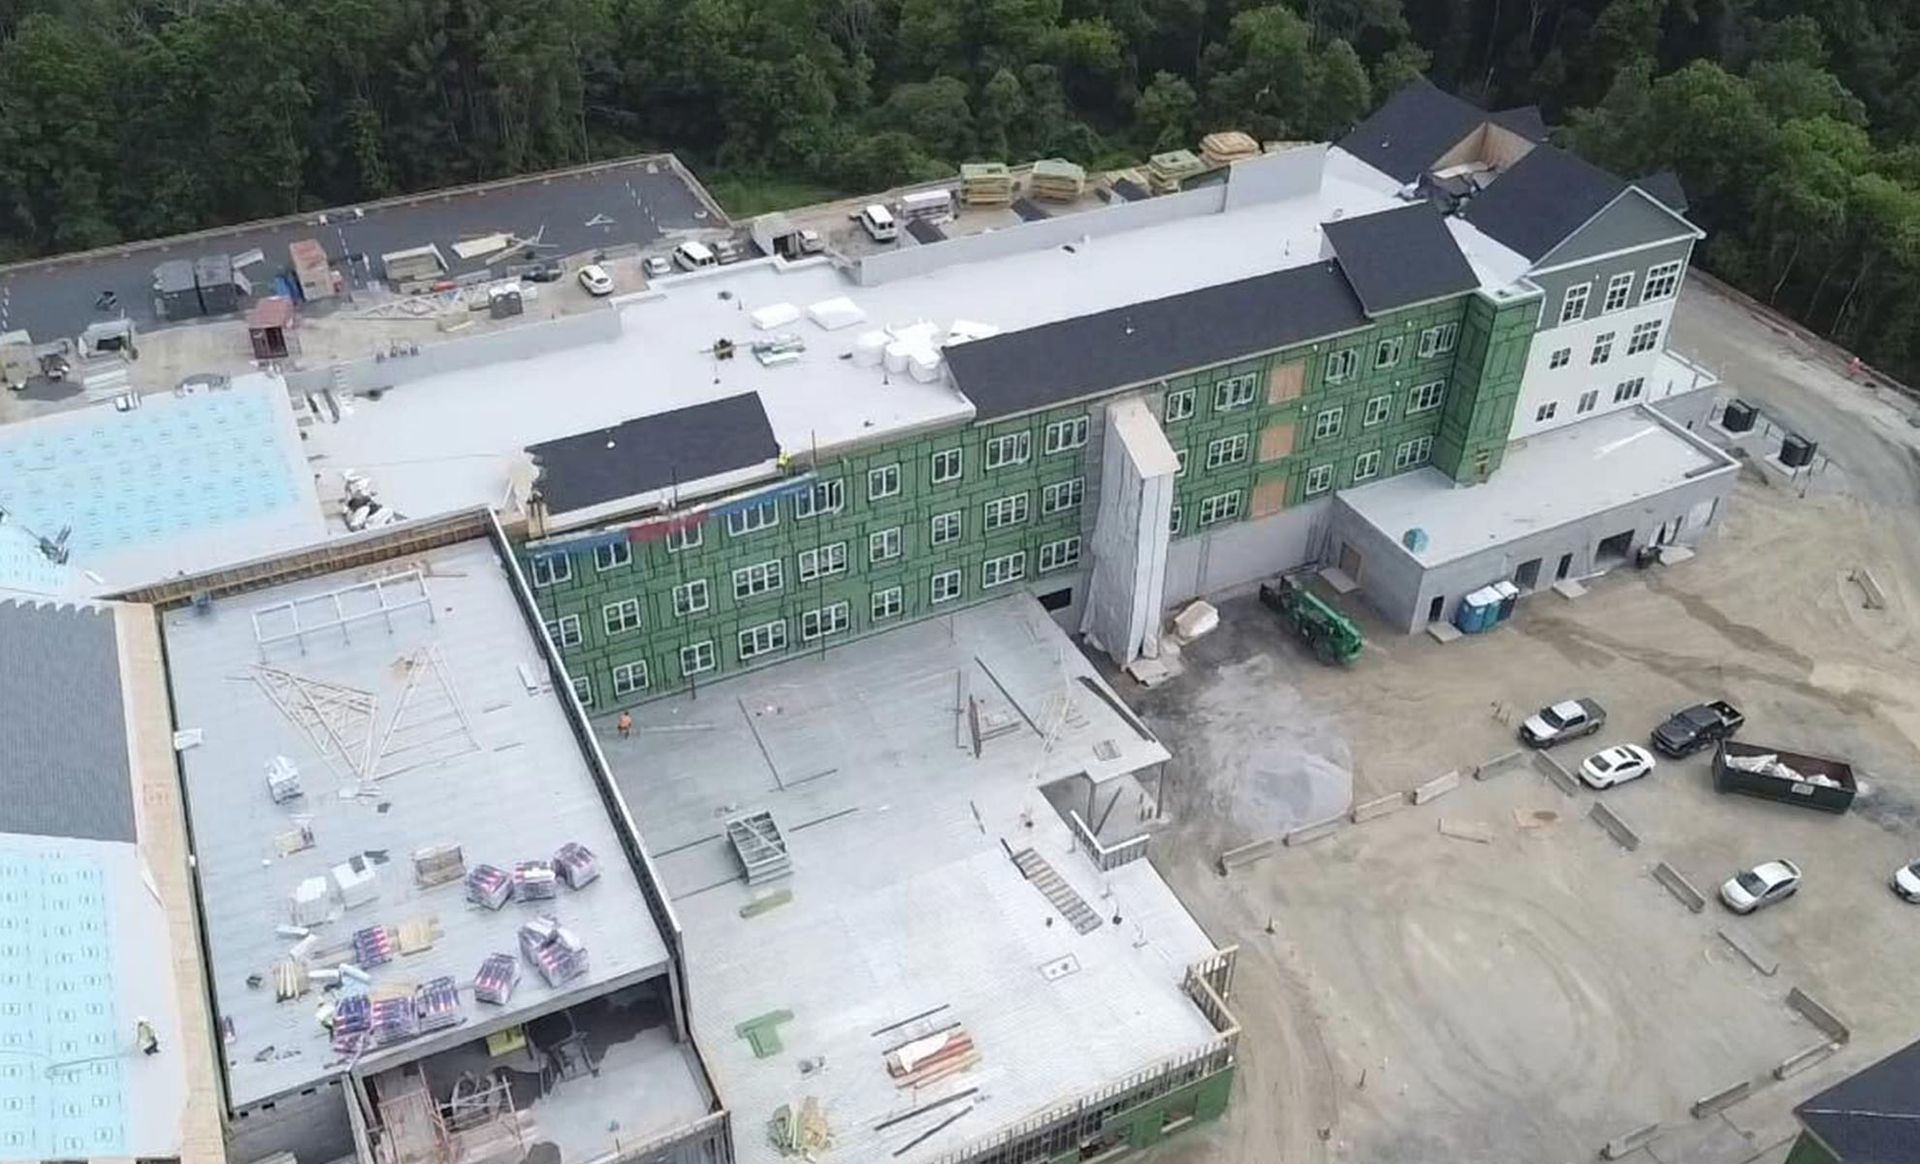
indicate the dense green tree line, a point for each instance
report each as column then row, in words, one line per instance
column 1795, row 123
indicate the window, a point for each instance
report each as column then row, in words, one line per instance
column 1227, row 450
column 1179, row 405
column 824, row 497
column 1378, row 409
column 1341, row 365
column 1180, row 457
column 1235, row 392
column 764, row 639
column 1619, row 288
column 764, row 578
column 1426, row 397
column 760, row 515
column 1006, row 511
column 1063, row 495
column 946, row 586
column 687, row 537
column 883, row 482
column 1059, row 555
column 1602, row 348
column 612, row 556
column 1662, row 282
column 1629, row 389
column 1644, row 337
column 1366, row 466
column 1012, row 449
column 1173, row 521
column 1413, row 452
column 620, row 617
column 888, row 603
column 552, row 568
column 1438, row 341
column 582, row 690
column 1327, row 425
column 630, row 677
column 1588, row 399
column 828, row 620
column 1574, row 306
column 1386, row 353
column 1002, row 570
column 691, row 598
column 947, row 464
column 1218, row 508
column 822, row 561
column 1546, row 411
column 1066, row 434
column 696, row 659
column 565, row 631
column 1560, row 358
column 883, row 546
column 1319, row 479
column 946, row 528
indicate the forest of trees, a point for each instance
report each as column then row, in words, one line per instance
column 1795, row 124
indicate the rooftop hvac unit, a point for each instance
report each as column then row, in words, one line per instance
column 870, row 348
column 923, row 364
column 357, row 881
column 774, row 315
column 308, row 903
column 1414, row 539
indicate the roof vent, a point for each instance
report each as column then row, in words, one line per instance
column 1414, row 539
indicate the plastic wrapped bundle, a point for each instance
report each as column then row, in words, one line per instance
column 534, row 881
column 436, row 1003
column 393, row 1020
column 553, row 950
column 373, row 946
column 576, row 865
column 496, row 979
column 352, row 1018
column 489, row 886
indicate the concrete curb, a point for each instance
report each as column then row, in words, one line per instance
column 1720, row 1100
column 1677, row 884
column 1247, row 854
column 1308, row 833
column 1616, row 828
column 1631, row 1142
column 1869, row 586
column 1466, row 831
column 1556, row 773
column 1757, row 955
column 1434, row 789
column 1499, row 765
column 1819, row 1016
column 1378, row 807
column 1799, row 1061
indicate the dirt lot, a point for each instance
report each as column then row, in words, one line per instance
column 1423, row 997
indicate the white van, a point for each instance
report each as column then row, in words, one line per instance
column 694, row 256
column 879, row 222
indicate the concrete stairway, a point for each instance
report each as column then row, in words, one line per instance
column 1055, row 889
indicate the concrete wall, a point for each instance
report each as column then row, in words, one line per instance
column 313, row 1125
column 1688, row 408
column 520, row 342
column 1240, row 552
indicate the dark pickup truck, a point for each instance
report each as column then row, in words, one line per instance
column 1788, row 777
column 1692, row 729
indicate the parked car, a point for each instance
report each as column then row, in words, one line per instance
column 595, row 279
column 1701, row 726
column 1567, row 720
column 657, row 266
column 1616, row 765
column 1906, row 881
column 1762, row 885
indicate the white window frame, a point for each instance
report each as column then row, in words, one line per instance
column 884, row 545
column 1366, row 466
column 1014, row 448
column 1619, row 293
column 612, row 556
column 565, row 631
column 1231, row 449
column 1377, row 409
column 824, row 497
column 944, row 587
column 1413, row 453
column 582, row 689
column 1174, row 522
column 1644, row 337
column 888, row 603
column 1341, row 366
column 768, row 577
column 1439, row 340
column 822, row 561
column 1006, row 512
column 1233, row 393
column 1319, row 479
column 767, row 638
column 1179, row 405
column 687, row 537
column 1629, row 389
column 883, row 482
column 947, row 465
column 1602, row 349
column 1219, row 508
column 1066, row 435
column 945, row 528
column 1062, row 496
column 543, row 573
column 1588, row 400
column 1180, row 459
column 1387, row 352
column 703, row 657
column 825, row 621
column 1546, row 411
column 1426, row 397
column 1662, row 281
column 1574, row 305
column 623, row 678
column 1560, row 358
column 1327, row 425
column 692, row 597
column 753, row 518
column 1003, row 570
column 1060, row 554
column 619, row 617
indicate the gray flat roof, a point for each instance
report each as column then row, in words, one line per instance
column 63, row 732
column 523, row 791
column 903, row 896
column 1545, row 481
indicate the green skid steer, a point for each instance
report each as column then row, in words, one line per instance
column 1330, row 635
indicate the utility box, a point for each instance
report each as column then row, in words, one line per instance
column 505, row 300
column 219, row 292
column 311, row 273
column 175, row 295
column 269, row 327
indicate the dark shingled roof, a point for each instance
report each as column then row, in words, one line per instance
column 925, row 232
column 1524, row 120
column 654, row 452
column 1665, row 188
column 1421, row 122
column 1400, row 257
column 1872, row 1117
column 1029, row 210
column 1541, row 199
column 63, row 736
column 1019, row 371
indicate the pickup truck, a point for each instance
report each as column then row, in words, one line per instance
column 1569, row 719
column 1788, row 777
column 1692, row 729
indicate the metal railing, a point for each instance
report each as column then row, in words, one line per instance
column 1103, row 857
column 710, row 1131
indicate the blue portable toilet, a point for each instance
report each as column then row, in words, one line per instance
column 1509, row 596
column 1477, row 611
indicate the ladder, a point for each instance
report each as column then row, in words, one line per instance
column 1055, row 889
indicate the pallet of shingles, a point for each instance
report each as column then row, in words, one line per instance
column 374, row 946
column 352, row 1016
column 1167, row 171
column 497, row 977
column 986, row 184
column 436, row 1004
column 576, row 865
column 534, row 881
column 391, row 1017
column 553, row 950
column 489, row 886
column 437, row 865
column 1227, row 146
column 1057, row 180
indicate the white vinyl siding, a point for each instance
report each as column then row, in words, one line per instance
column 1588, row 399
column 1644, row 337
column 1629, row 389
column 1545, row 411
column 1560, row 358
column 1602, row 348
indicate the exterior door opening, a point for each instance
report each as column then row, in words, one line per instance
column 1435, row 607
column 1566, row 565
column 1613, row 550
column 1528, row 575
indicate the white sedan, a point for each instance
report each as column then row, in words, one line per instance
column 1764, row 884
column 1906, row 881
column 595, row 279
column 1616, row 765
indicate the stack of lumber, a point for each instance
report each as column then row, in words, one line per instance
column 931, row 1057
column 1166, row 172
column 986, row 184
column 1227, row 147
column 1057, row 180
